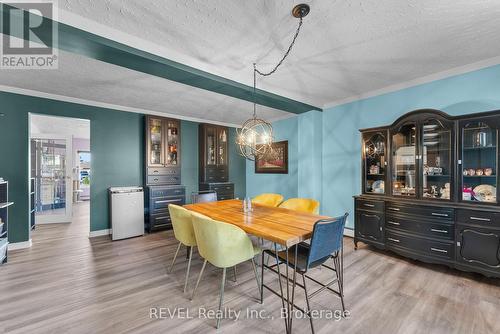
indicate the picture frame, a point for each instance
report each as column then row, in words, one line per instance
column 274, row 162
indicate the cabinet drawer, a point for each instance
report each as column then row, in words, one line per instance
column 428, row 229
column 419, row 245
column 222, row 188
column 363, row 204
column 163, row 179
column 485, row 218
column 221, row 197
column 161, row 204
column 163, row 171
column 164, row 192
column 428, row 212
column 159, row 221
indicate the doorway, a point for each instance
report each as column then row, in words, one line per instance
column 60, row 171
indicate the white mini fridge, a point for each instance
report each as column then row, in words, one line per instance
column 126, row 212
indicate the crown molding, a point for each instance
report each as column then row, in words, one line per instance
column 418, row 81
column 63, row 98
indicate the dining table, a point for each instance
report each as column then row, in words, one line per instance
column 285, row 228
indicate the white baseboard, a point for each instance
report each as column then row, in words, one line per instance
column 349, row 232
column 19, row 245
column 100, row 233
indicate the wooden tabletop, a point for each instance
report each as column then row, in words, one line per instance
column 283, row 226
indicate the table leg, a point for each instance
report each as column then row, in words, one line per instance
column 281, row 285
column 293, row 286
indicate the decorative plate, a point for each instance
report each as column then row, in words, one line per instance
column 485, row 193
column 378, row 186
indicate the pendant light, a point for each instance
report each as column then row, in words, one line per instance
column 255, row 138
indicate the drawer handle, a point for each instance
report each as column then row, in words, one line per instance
column 439, row 214
column 394, row 240
column 369, row 205
column 164, row 217
column 480, row 219
column 438, row 250
column 393, row 223
column 394, row 209
column 439, row 231
column 168, row 201
column 155, row 172
column 228, row 188
column 155, row 179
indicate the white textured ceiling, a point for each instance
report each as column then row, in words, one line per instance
column 346, row 48
column 88, row 79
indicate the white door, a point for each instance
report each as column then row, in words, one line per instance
column 53, row 159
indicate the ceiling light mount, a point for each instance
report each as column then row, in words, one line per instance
column 300, row 11
column 255, row 137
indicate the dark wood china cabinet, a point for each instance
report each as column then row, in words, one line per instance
column 214, row 160
column 162, row 170
column 429, row 189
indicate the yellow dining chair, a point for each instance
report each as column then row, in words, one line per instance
column 268, row 199
column 184, row 233
column 301, row 204
column 224, row 246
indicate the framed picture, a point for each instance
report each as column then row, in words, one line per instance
column 275, row 161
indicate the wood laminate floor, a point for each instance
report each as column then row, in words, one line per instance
column 67, row 283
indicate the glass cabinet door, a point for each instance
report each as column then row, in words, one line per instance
column 211, row 139
column 222, row 146
column 375, row 163
column 479, row 162
column 436, row 160
column 173, row 141
column 155, row 145
column 404, row 161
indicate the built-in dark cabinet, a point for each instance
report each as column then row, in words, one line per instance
column 4, row 220
column 163, row 148
column 213, row 157
column 162, row 170
column 430, row 189
column 214, row 160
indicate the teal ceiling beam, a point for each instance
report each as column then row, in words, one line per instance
column 81, row 42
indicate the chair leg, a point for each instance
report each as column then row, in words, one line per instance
column 307, row 303
column 199, row 278
column 175, row 257
column 188, row 268
column 234, row 274
column 262, row 279
column 256, row 275
column 336, row 263
column 221, row 299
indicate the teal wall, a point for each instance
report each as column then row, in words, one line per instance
column 117, row 145
column 285, row 184
column 335, row 133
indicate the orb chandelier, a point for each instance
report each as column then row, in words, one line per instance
column 255, row 138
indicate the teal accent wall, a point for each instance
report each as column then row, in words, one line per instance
column 117, row 145
column 285, row 184
column 237, row 168
column 334, row 133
